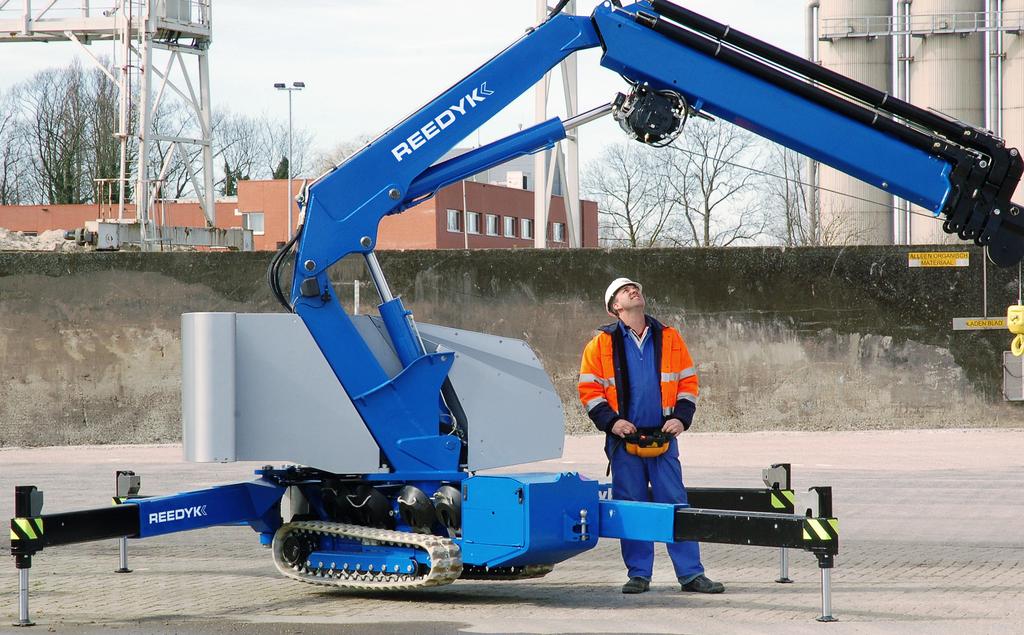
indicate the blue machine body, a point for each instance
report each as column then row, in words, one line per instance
column 522, row 519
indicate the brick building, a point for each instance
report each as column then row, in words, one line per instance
column 499, row 217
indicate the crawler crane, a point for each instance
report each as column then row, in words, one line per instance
column 384, row 425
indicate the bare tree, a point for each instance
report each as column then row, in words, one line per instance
column 795, row 220
column 838, row 224
column 54, row 104
column 718, row 195
column 248, row 147
column 240, row 148
column 170, row 121
column 61, row 137
column 12, row 157
column 630, row 185
column 326, row 161
column 58, row 139
column 275, row 135
column 102, row 111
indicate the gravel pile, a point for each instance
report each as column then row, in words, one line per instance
column 51, row 240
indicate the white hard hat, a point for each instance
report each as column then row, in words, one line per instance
column 613, row 288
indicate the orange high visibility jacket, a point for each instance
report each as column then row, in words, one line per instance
column 604, row 376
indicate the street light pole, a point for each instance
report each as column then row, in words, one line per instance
column 290, row 89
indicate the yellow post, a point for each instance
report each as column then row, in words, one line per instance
column 1015, row 322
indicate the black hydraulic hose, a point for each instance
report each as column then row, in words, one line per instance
column 794, row 85
column 274, row 283
column 561, row 5
column 273, row 271
column 558, row 8
column 272, row 279
column 872, row 96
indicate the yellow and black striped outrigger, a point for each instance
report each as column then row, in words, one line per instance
column 31, row 531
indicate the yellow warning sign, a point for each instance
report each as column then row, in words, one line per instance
column 939, row 259
column 979, row 323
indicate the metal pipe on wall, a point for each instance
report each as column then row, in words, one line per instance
column 851, row 211
column 948, row 74
column 1011, row 69
column 903, row 86
column 812, row 165
column 998, row 106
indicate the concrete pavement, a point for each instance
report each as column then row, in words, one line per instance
column 931, row 526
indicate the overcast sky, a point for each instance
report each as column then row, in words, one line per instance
column 367, row 64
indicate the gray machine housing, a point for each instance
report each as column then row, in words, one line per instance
column 255, row 387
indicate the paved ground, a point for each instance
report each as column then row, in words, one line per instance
column 932, row 527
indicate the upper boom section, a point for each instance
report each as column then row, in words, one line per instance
column 951, row 168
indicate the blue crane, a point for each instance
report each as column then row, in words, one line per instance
column 383, row 486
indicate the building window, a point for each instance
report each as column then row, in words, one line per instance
column 492, row 225
column 453, row 220
column 474, row 223
column 510, row 227
column 526, row 228
column 558, row 232
column 253, row 221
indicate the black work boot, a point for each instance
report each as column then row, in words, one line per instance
column 636, row 585
column 701, row 584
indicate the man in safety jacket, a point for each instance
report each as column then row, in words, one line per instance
column 639, row 386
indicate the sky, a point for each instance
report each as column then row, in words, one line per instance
column 368, row 64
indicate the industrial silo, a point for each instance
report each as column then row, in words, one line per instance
column 947, row 73
column 853, row 212
column 1013, row 82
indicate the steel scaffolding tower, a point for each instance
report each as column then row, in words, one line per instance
column 151, row 41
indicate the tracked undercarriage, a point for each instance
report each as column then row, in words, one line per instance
column 297, row 554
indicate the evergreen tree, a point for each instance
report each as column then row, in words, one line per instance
column 281, row 171
column 230, row 182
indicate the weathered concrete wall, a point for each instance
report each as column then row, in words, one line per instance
column 784, row 339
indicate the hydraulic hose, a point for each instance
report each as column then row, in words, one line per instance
column 273, row 271
column 558, row 8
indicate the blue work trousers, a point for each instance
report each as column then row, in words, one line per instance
column 630, row 477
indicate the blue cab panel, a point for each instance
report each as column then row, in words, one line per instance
column 522, row 519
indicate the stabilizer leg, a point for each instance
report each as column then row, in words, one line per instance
column 23, row 618
column 826, row 562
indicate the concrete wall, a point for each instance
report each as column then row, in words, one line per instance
column 785, row 339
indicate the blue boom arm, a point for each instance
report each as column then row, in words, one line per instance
column 677, row 62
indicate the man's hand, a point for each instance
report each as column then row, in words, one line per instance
column 622, row 427
column 673, row 427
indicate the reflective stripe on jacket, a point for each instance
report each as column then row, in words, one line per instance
column 604, row 376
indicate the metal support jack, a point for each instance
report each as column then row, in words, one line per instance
column 783, row 567
column 28, row 503
column 23, row 618
column 826, row 559
column 778, row 477
column 126, row 486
